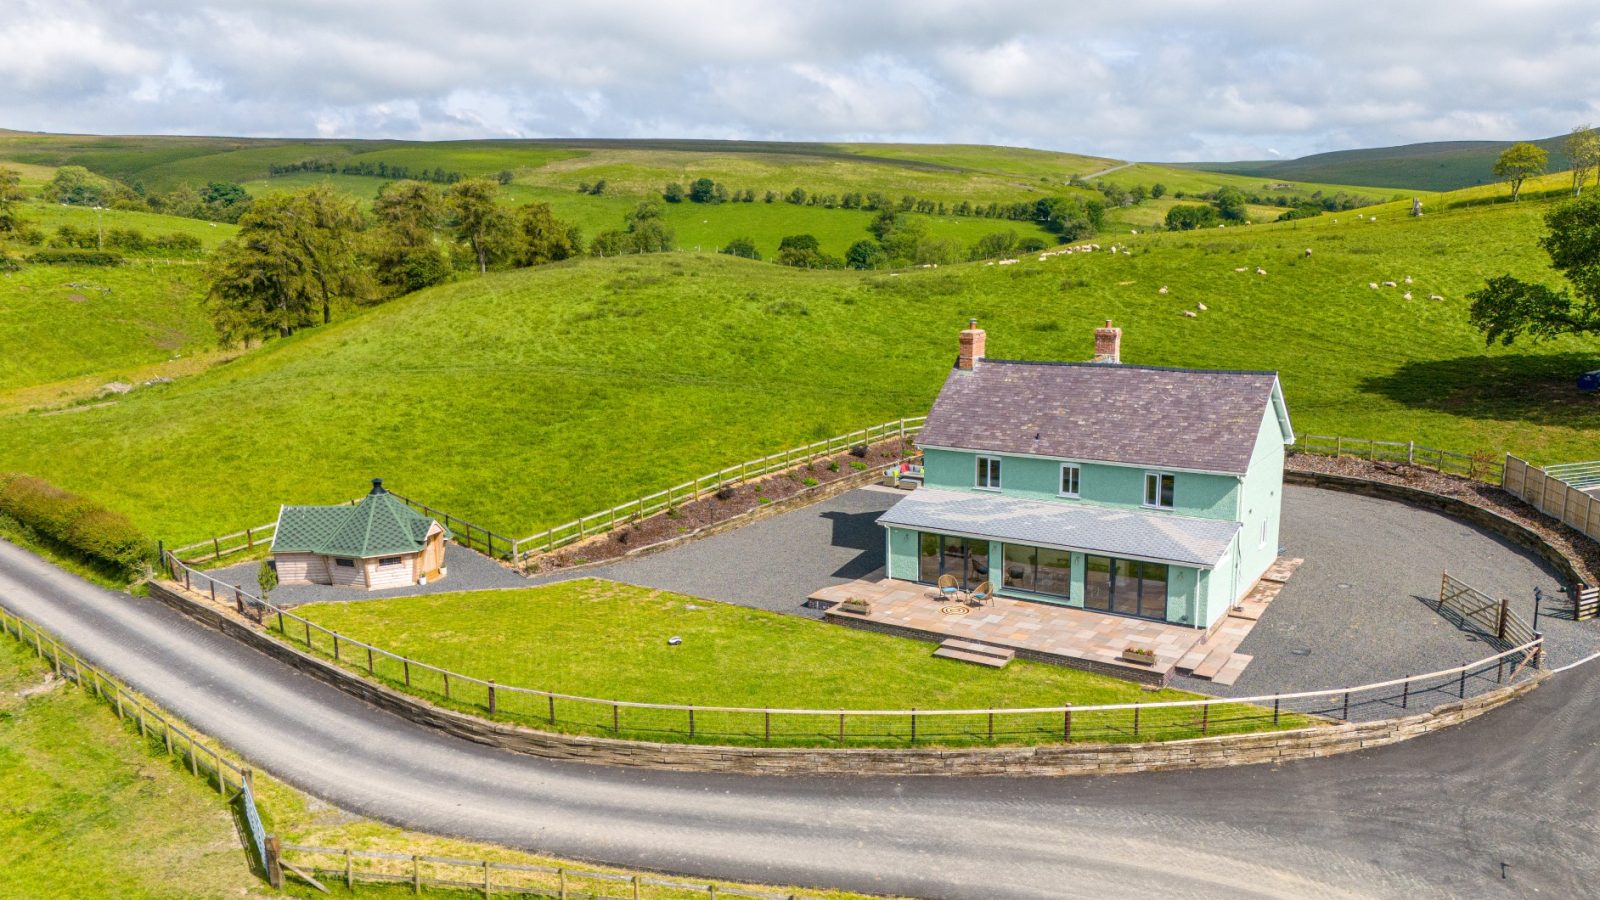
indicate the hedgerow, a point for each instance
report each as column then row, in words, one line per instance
column 74, row 523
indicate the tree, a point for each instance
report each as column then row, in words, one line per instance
column 10, row 193
column 504, row 177
column 702, row 190
column 742, row 246
column 1189, row 216
column 224, row 201
column 673, row 193
column 1507, row 308
column 866, row 254
column 541, row 237
column 647, row 233
column 1158, row 190
column 1230, row 204
column 998, row 244
column 323, row 226
column 599, row 187
column 801, row 251
column 1520, row 162
column 404, row 248
column 477, row 218
column 1069, row 217
column 1583, row 152
column 76, row 186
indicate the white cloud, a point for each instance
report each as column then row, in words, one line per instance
column 1146, row 79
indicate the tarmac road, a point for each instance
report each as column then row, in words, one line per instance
column 1437, row 816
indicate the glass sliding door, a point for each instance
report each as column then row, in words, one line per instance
column 1055, row 573
column 1152, row 590
column 1097, row 583
column 942, row 554
column 1125, row 587
column 1021, row 561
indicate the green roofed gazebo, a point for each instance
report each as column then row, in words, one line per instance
column 379, row 542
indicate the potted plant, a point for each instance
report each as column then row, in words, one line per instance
column 856, row 605
column 1144, row 656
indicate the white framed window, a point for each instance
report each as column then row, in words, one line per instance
column 1071, row 473
column 389, row 561
column 988, row 478
column 1158, row 489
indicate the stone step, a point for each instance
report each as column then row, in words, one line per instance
column 1195, row 656
column 981, row 649
column 1248, row 610
column 982, row 659
column 1213, row 663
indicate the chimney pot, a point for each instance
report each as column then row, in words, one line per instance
column 972, row 346
column 377, row 486
column 1108, row 344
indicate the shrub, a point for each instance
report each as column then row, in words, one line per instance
column 75, row 523
column 70, row 257
column 859, row 451
column 858, row 465
column 725, row 493
column 267, row 576
column 809, row 481
column 833, row 465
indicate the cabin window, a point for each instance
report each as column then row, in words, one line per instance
column 389, row 561
column 345, row 563
column 988, row 473
column 1158, row 489
column 1070, row 473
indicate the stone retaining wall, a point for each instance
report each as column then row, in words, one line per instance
column 1512, row 531
column 1055, row 759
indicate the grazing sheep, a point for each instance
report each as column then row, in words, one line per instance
column 1373, row 285
column 1308, row 252
column 1200, row 306
column 1408, row 279
column 1435, row 297
column 1390, row 284
column 1163, row 289
column 1189, row 313
column 1406, row 296
column 1260, row 271
column 1241, row 268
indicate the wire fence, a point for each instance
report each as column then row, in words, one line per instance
column 154, row 726
column 1476, row 466
column 352, row 867
column 760, row 726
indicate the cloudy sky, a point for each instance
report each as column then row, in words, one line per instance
column 1160, row 80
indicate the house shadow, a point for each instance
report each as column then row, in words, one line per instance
column 1523, row 387
column 860, row 532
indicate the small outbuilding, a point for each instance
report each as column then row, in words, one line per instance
column 379, row 542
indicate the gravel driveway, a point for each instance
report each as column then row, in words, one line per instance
column 469, row 571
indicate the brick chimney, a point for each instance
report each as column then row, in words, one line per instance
column 972, row 338
column 1108, row 344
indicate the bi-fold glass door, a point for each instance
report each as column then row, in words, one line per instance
column 941, row 554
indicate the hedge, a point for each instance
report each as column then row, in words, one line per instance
column 74, row 522
column 62, row 255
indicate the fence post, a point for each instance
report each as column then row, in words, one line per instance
column 349, row 871
column 416, row 874
column 1066, row 723
column 635, row 887
column 1411, row 453
column 1500, row 620
column 561, row 874
column 272, row 863
column 488, row 887
column 1405, row 694
column 492, row 705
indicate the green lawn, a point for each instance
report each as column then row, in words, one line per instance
column 601, row 639
column 86, row 812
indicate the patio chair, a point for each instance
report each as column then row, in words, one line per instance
column 949, row 587
column 983, row 596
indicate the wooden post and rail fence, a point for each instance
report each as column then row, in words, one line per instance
column 708, row 723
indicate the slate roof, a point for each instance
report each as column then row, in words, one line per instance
column 1199, row 419
column 1064, row 525
column 380, row 525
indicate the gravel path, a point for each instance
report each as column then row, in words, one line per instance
column 469, row 571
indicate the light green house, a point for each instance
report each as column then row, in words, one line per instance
column 1132, row 490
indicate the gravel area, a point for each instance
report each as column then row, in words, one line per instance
column 1360, row 608
column 469, row 571
column 771, row 564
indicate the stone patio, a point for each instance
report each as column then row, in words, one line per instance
column 1063, row 635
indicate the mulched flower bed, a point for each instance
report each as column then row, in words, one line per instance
column 1574, row 544
column 691, row 515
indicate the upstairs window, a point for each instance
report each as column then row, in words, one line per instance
column 1158, row 488
column 988, row 473
column 1070, row 474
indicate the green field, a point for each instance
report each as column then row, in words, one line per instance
column 62, row 322
column 85, row 812
column 1433, row 166
column 601, row 639
column 526, row 398
column 50, row 216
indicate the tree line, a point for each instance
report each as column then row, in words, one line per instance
column 371, row 168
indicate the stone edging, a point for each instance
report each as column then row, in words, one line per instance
column 1052, row 759
column 1513, row 531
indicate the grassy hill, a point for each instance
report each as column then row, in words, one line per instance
column 1433, row 166
column 554, row 170
column 523, row 398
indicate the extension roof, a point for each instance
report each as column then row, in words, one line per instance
column 1199, row 419
column 1159, row 537
column 380, row 525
